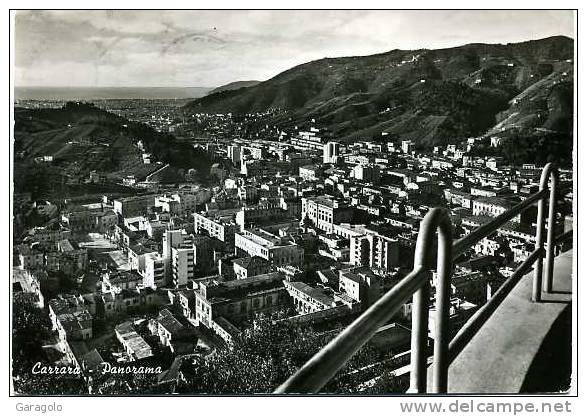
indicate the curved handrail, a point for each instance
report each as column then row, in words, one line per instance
column 324, row 365
column 435, row 219
column 549, row 172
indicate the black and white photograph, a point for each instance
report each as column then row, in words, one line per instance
column 292, row 202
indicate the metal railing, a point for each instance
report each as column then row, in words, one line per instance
column 330, row 359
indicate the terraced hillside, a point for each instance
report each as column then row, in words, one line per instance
column 55, row 148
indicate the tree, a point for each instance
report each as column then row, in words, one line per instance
column 307, row 223
column 30, row 327
column 264, row 357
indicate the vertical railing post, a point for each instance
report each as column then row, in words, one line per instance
column 436, row 219
column 537, row 282
column 548, row 281
column 538, row 271
column 443, row 291
column 419, row 348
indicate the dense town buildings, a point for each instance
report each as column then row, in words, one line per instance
column 304, row 228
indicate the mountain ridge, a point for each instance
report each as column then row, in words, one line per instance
column 234, row 86
column 431, row 96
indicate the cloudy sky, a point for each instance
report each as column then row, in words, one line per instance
column 211, row 48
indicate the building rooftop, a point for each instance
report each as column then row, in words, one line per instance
column 217, row 291
column 133, row 340
column 116, row 259
column 125, row 276
column 495, row 201
column 249, row 262
column 75, row 321
column 323, row 200
column 263, row 237
column 66, row 303
column 168, row 321
column 227, row 326
column 318, row 294
column 140, row 249
column 24, row 279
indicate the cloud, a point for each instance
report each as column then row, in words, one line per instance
column 212, row 47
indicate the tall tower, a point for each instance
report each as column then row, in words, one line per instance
column 331, row 151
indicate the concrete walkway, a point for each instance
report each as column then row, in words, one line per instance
column 499, row 356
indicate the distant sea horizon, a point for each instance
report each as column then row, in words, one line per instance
column 108, row 93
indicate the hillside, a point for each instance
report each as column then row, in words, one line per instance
column 234, row 86
column 430, row 96
column 81, row 138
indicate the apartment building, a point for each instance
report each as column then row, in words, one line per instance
column 70, row 317
column 263, row 212
column 182, row 265
column 137, row 254
column 270, row 247
column 178, row 257
column 133, row 205
column 367, row 173
column 331, row 152
column 94, row 217
column 308, row 140
column 250, row 266
column 172, row 333
column 117, row 302
column 217, row 224
column 237, row 300
column 183, row 202
column 374, row 249
column 308, row 299
column 325, row 211
column 492, row 207
column 154, row 271
column 310, row 172
column 363, row 285
column 49, row 236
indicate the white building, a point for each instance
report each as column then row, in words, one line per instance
column 407, row 146
column 277, row 250
column 220, row 225
column 374, row 250
column 154, row 271
column 182, row 265
column 331, row 152
column 368, row 173
column 324, row 212
column 173, row 240
column 492, row 207
column 234, row 154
